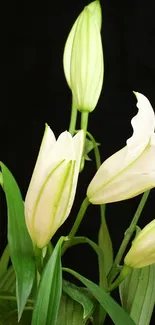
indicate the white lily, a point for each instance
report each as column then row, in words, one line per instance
column 52, row 188
column 131, row 170
column 142, row 251
column 83, row 58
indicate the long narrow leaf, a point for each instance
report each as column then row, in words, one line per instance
column 20, row 245
column 117, row 313
column 4, row 260
column 49, row 293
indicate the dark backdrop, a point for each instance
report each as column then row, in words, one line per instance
column 34, row 91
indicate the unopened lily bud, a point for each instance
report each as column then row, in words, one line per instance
column 142, row 251
column 83, row 58
column 53, row 185
column 131, row 170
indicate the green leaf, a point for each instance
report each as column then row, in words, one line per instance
column 49, row 293
column 4, row 261
column 89, row 146
column 117, row 313
column 8, row 280
column 20, row 245
column 137, row 294
column 105, row 243
column 105, row 260
column 70, row 312
column 82, row 296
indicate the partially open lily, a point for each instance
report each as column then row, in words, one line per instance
column 131, row 170
column 83, row 58
column 142, row 251
column 53, row 185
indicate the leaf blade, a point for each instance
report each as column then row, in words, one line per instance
column 117, row 314
column 20, row 245
column 49, row 294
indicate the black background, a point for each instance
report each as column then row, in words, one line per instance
column 34, row 91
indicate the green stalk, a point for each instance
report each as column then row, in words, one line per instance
column 128, row 234
column 84, row 121
column 77, row 222
column 73, row 118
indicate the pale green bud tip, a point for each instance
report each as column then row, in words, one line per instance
column 142, row 251
column 83, row 58
column 95, row 9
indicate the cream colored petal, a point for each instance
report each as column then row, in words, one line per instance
column 64, row 148
column 135, row 179
column 145, row 231
column 143, row 126
column 95, row 9
column 41, row 169
column 41, row 226
column 116, row 177
column 86, row 62
column 142, row 252
column 64, row 206
column 78, row 141
column 68, row 52
column 107, row 172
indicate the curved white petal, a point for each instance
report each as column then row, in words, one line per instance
column 130, row 171
column 78, row 141
column 86, row 66
column 52, row 188
column 143, row 126
column 41, row 169
column 64, row 148
column 133, row 180
column 145, row 231
column 40, row 224
column 51, row 153
column 68, row 52
column 142, row 251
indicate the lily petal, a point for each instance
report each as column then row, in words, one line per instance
column 131, row 170
column 83, row 78
column 47, row 204
column 141, row 136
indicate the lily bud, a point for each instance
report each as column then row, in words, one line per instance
column 131, row 170
column 142, row 251
column 83, row 58
column 52, row 188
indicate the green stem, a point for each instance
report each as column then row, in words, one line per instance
column 103, row 227
column 73, row 118
column 123, row 274
column 77, row 222
column 38, row 258
column 84, row 121
column 96, row 150
column 128, row 234
column 84, row 240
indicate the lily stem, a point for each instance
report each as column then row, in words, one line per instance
column 77, row 222
column 128, row 234
column 73, row 118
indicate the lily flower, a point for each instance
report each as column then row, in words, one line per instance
column 142, row 251
column 131, row 170
column 51, row 192
column 83, row 58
